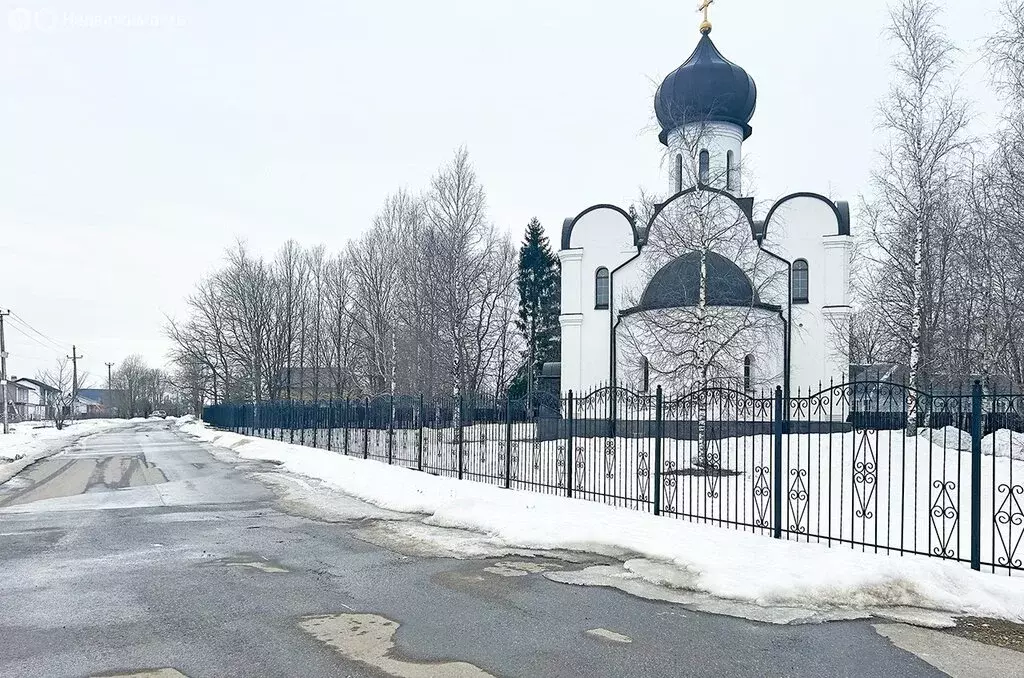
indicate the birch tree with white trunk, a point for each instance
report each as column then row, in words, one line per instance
column 924, row 121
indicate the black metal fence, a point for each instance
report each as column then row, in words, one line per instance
column 835, row 466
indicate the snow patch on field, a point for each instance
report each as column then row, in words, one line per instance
column 749, row 570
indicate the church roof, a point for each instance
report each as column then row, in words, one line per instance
column 677, row 285
column 706, row 88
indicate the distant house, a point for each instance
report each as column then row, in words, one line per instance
column 88, row 407
column 108, row 399
column 32, row 399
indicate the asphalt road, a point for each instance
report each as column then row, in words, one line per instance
column 139, row 552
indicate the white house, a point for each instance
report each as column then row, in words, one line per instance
column 702, row 287
column 32, row 400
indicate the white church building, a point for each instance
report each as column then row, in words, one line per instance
column 710, row 286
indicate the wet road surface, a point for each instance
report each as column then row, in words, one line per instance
column 139, row 550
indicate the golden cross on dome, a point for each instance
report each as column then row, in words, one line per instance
column 705, row 26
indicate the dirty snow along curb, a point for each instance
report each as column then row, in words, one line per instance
column 721, row 562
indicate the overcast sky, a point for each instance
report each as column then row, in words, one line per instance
column 133, row 154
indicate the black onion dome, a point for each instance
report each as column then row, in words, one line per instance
column 707, row 88
column 677, row 285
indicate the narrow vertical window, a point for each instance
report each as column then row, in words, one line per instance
column 728, row 171
column 704, row 167
column 801, row 282
column 601, row 291
column 748, row 373
column 679, row 172
column 645, row 373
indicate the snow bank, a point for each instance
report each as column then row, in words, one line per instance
column 1004, row 443
column 29, row 441
column 28, row 437
column 721, row 562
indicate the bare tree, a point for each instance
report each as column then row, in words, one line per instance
column 339, row 325
column 697, row 342
column 422, row 301
column 374, row 264
column 464, row 256
column 61, row 378
column 700, row 319
column 132, row 379
column 915, row 213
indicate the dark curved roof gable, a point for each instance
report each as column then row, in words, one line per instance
column 677, row 285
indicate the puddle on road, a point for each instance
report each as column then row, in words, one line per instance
column 263, row 566
column 369, row 639
column 251, row 561
column 146, row 673
column 610, row 636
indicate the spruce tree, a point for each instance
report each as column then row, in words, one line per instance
column 539, row 301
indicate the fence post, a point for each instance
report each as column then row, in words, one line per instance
column 419, row 438
column 366, row 428
column 391, row 426
column 568, row 447
column 330, row 422
column 344, row 430
column 976, row 431
column 659, row 430
column 508, row 442
column 777, row 497
column 460, row 432
column 291, row 421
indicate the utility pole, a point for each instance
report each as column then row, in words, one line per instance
column 74, row 358
column 110, row 391
column 3, row 369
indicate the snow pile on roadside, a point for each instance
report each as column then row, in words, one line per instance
column 1004, row 443
column 948, row 437
column 720, row 562
column 29, row 437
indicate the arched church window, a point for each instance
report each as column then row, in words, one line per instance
column 801, row 282
column 728, row 170
column 704, row 167
column 748, row 373
column 679, row 172
column 601, row 290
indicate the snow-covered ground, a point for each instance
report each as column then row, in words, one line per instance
column 749, row 571
column 870, row 489
column 32, row 440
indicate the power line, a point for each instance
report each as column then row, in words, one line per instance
column 31, row 338
column 44, row 336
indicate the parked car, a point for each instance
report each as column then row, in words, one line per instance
column 158, row 413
